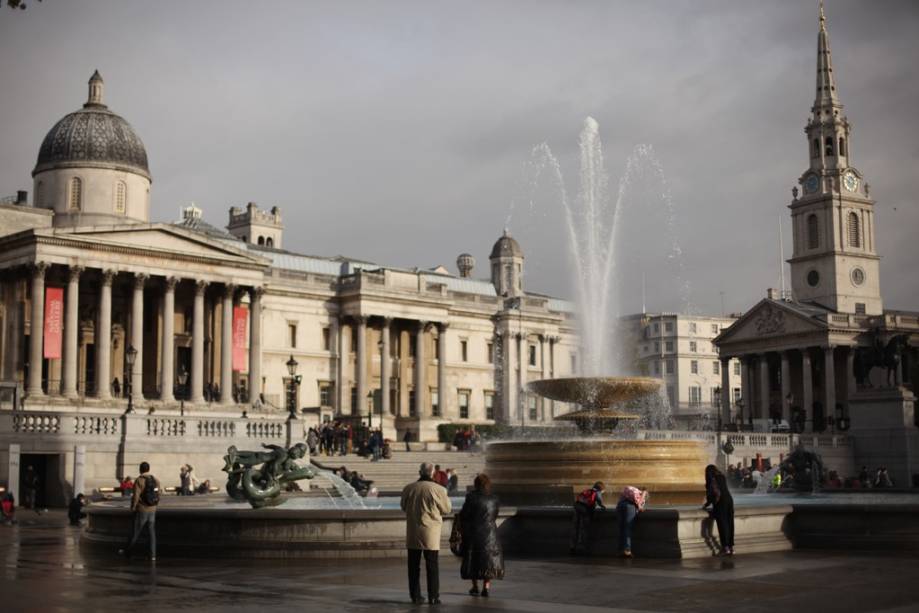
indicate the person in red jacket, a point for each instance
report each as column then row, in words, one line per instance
column 440, row 476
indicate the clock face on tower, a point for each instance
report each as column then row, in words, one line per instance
column 810, row 184
column 850, row 180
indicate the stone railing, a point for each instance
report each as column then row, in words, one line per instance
column 101, row 425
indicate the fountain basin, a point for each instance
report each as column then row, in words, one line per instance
column 595, row 392
column 551, row 472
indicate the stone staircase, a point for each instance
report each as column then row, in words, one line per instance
column 390, row 476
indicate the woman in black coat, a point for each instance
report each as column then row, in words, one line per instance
column 719, row 497
column 480, row 548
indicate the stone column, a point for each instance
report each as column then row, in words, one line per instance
column 360, row 364
column 385, row 365
column 829, row 370
column 255, row 343
column 338, row 356
column 442, row 395
column 37, row 330
column 226, row 346
column 419, row 369
column 137, row 337
column 850, row 373
column 542, row 371
column 103, row 337
column 167, row 373
column 725, row 391
column 197, row 345
column 71, row 330
column 763, row 386
column 553, row 343
column 521, row 379
column 786, row 387
column 12, row 476
column 808, row 384
column 746, row 389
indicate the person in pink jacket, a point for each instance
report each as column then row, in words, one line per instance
column 632, row 501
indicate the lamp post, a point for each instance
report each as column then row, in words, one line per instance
column 292, row 391
column 183, row 379
column 370, row 409
column 740, row 405
column 130, row 355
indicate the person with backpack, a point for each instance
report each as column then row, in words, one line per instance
column 585, row 505
column 143, row 503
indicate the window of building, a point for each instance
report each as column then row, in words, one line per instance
column 829, row 145
column 668, row 327
column 261, row 240
column 669, row 346
column 695, row 395
column 842, row 146
column 816, row 152
column 531, row 406
column 737, row 367
column 76, row 194
column 325, row 393
column 355, row 407
column 657, row 347
column 716, row 367
column 326, row 338
column 693, row 347
column 437, row 350
column 269, row 242
column 463, row 398
column 852, row 228
column 532, row 355
column 694, row 367
column 354, row 332
column 292, row 335
column 657, row 367
column 715, row 329
column 464, row 350
column 435, row 402
column 574, row 362
column 657, row 328
column 411, row 404
column 735, row 395
column 669, row 367
column 489, row 405
column 813, row 232
column 490, row 352
column 121, row 192
column 859, row 308
column 671, row 396
column 693, row 328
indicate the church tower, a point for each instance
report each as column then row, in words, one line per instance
column 835, row 262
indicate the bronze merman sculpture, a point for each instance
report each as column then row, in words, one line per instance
column 261, row 487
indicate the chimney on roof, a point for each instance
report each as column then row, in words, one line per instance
column 773, row 294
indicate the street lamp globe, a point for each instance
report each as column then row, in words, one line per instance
column 292, row 366
column 131, row 355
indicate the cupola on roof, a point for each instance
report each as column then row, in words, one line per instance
column 93, row 137
column 506, row 247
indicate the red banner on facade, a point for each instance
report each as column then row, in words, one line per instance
column 54, row 321
column 240, row 319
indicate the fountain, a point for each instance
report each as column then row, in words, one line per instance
column 551, row 471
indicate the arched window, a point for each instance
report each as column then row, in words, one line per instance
column 76, row 194
column 269, row 242
column 842, row 146
column 261, row 240
column 813, row 232
column 40, row 194
column 829, row 145
column 121, row 197
column 855, row 237
column 816, row 148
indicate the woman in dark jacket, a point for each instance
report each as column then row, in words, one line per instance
column 480, row 548
column 719, row 497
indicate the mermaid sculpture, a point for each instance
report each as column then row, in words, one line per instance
column 261, row 487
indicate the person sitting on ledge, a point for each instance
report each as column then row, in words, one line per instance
column 126, row 486
column 75, row 510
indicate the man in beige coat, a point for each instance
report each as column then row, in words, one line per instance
column 425, row 503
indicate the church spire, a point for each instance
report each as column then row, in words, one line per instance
column 827, row 99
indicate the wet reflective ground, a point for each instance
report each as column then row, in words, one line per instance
column 44, row 569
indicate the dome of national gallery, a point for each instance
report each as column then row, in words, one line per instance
column 93, row 137
column 506, row 247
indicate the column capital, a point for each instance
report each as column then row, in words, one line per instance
column 171, row 283
column 361, row 320
column 201, row 287
column 75, row 272
column 421, row 325
column 829, row 348
column 140, row 279
column 229, row 288
column 442, row 326
column 39, row 269
column 725, row 360
column 108, row 276
column 387, row 320
column 256, row 292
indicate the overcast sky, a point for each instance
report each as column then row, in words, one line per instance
column 398, row 131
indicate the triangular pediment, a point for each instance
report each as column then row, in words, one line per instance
column 770, row 318
column 163, row 239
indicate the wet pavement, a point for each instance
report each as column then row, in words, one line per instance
column 44, row 569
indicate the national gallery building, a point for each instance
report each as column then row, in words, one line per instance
column 99, row 306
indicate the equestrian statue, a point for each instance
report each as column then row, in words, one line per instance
column 887, row 356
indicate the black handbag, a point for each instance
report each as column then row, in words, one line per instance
column 456, row 537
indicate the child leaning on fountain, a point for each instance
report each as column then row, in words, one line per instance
column 632, row 501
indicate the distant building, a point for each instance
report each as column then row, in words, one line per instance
column 678, row 349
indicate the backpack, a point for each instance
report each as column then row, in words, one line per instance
column 588, row 497
column 150, row 496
